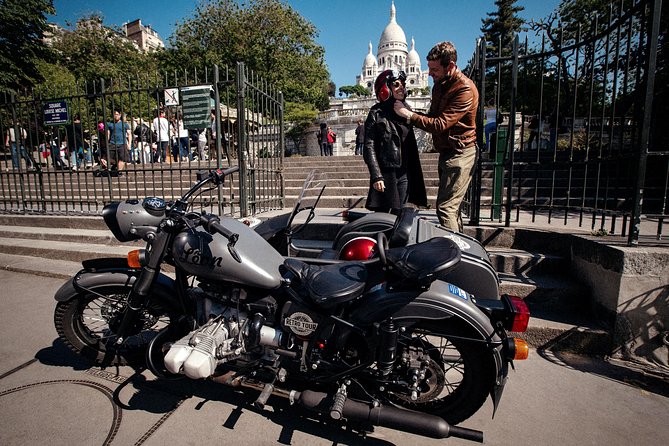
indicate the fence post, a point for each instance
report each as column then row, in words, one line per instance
column 241, row 141
column 475, row 211
column 282, row 147
column 219, row 163
column 511, row 137
column 633, row 237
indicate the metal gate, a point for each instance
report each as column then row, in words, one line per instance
column 58, row 158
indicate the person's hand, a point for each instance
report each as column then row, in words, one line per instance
column 402, row 110
column 379, row 186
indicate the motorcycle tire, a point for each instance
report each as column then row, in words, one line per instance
column 459, row 376
column 87, row 323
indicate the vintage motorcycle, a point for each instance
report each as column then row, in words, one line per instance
column 380, row 342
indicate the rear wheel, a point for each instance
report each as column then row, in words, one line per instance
column 454, row 376
column 88, row 324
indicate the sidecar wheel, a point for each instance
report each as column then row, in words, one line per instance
column 88, row 322
column 459, row 375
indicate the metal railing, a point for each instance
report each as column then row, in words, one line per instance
column 581, row 144
column 63, row 163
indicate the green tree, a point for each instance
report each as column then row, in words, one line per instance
column 21, row 45
column 299, row 118
column 93, row 51
column 271, row 38
column 502, row 24
column 354, row 90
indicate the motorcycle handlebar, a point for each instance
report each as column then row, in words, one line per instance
column 212, row 225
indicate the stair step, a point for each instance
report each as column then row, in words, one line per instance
column 75, row 252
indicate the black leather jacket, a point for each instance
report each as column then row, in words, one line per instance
column 383, row 144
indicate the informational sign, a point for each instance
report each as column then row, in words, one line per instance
column 55, row 113
column 196, row 106
column 171, row 96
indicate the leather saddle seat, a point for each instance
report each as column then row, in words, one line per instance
column 329, row 285
column 423, row 262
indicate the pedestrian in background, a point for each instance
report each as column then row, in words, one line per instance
column 16, row 145
column 161, row 134
column 119, row 140
column 390, row 150
column 452, row 122
column 359, row 137
column 331, row 139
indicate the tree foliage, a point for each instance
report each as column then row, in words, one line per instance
column 93, row 51
column 354, row 90
column 299, row 118
column 21, row 46
column 271, row 38
column 502, row 25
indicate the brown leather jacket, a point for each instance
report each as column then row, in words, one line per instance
column 452, row 116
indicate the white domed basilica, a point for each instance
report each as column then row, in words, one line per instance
column 393, row 52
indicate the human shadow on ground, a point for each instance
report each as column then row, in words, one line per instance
column 623, row 372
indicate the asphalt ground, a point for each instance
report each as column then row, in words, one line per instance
column 50, row 396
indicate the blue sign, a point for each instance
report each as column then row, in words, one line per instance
column 55, row 113
column 457, row 291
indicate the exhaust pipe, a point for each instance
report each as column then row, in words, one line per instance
column 385, row 416
column 392, row 417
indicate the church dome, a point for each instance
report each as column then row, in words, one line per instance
column 393, row 32
column 413, row 58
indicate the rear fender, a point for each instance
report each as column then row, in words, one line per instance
column 163, row 291
column 441, row 301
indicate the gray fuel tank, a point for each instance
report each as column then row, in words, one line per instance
column 207, row 256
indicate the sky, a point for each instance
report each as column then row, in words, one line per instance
column 345, row 26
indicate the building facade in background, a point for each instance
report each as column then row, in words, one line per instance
column 146, row 38
column 393, row 52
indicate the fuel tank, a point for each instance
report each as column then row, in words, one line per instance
column 207, row 256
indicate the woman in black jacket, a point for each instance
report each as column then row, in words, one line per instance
column 390, row 150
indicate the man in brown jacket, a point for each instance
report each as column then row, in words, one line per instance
column 452, row 122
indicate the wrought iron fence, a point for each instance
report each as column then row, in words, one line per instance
column 570, row 129
column 72, row 149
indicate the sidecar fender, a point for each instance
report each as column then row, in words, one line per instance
column 163, row 292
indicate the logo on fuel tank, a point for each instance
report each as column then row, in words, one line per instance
column 300, row 323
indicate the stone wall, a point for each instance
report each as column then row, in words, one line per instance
column 630, row 294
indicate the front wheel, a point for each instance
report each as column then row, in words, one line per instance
column 454, row 376
column 88, row 322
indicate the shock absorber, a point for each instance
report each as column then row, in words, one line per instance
column 387, row 352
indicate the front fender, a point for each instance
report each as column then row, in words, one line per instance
column 163, row 291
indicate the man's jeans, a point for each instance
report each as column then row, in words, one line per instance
column 23, row 153
column 455, row 173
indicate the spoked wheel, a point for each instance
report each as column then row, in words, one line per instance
column 88, row 324
column 453, row 376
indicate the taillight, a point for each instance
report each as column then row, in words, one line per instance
column 521, row 314
column 137, row 258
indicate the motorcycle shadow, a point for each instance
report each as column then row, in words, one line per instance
column 59, row 355
column 164, row 396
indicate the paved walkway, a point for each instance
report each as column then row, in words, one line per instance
column 50, row 396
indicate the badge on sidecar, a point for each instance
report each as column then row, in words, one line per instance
column 457, row 291
column 301, row 324
column 462, row 244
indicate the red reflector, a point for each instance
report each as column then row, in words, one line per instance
column 344, row 215
column 521, row 316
